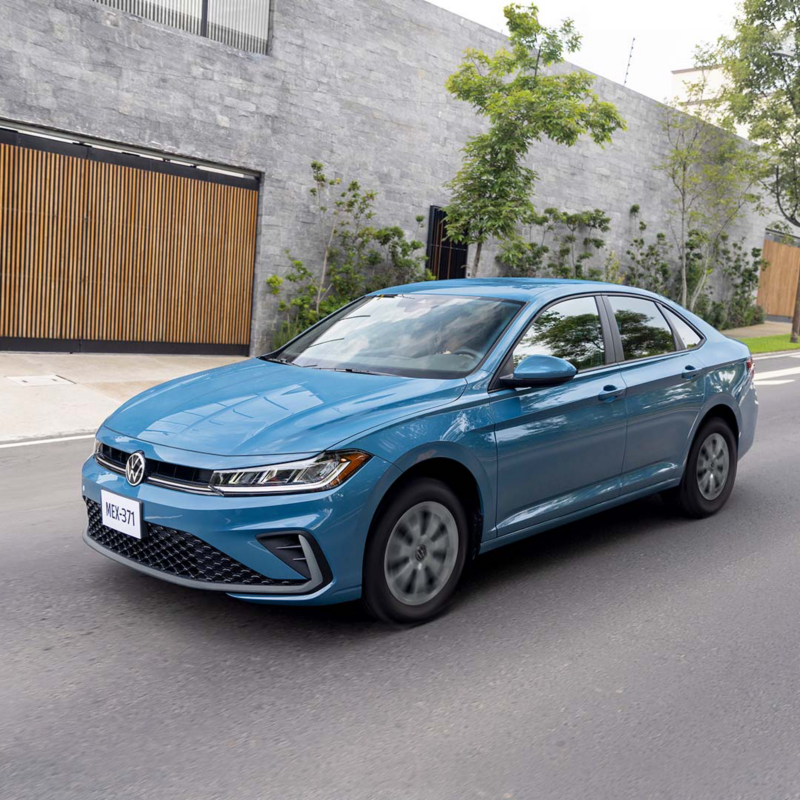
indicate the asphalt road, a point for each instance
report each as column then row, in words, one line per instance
column 632, row 655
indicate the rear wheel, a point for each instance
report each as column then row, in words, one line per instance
column 710, row 471
column 415, row 554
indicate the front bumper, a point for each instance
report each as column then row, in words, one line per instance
column 332, row 527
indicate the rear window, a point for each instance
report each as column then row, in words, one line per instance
column 689, row 336
column 642, row 327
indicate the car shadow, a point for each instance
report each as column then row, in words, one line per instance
column 540, row 552
column 217, row 616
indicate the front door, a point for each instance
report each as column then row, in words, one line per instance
column 560, row 449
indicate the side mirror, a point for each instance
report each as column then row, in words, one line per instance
column 540, row 371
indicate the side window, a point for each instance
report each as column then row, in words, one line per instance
column 569, row 330
column 689, row 336
column 642, row 327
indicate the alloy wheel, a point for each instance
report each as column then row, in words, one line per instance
column 713, row 466
column 421, row 553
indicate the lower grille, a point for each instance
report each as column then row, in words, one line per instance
column 177, row 553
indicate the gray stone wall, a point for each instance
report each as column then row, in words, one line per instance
column 357, row 84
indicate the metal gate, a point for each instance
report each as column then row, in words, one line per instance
column 105, row 251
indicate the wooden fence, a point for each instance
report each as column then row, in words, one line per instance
column 99, row 252
column 777, row 288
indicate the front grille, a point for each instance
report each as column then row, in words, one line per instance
column 158, row 471
column 177, row 553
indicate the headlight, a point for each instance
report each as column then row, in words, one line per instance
column 312, row 475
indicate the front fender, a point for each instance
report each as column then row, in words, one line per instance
column 463, row 432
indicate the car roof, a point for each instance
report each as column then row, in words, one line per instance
column 521, row 289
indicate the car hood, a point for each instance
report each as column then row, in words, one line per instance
column 258, row 407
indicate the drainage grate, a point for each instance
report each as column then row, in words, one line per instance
column 39, row 380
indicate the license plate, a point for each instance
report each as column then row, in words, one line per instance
column 121, row 513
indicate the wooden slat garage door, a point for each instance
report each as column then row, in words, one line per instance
column 98, row 255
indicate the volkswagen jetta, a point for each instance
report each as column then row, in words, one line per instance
column 384, row 448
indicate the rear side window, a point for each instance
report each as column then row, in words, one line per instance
column 689, row 336
column 642, row 327
column 570, row 330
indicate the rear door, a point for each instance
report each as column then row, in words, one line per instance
column 663, row 376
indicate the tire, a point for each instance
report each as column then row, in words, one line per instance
column 415, row 554
column 699, row 494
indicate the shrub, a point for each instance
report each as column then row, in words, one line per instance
column 357, row 257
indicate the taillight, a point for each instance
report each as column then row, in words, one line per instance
column 751, row 367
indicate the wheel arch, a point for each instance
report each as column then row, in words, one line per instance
column 458, row 477
column 723, row 411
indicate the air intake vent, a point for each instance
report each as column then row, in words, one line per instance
column 289, row 548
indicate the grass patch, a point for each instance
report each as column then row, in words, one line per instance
column 770, row 344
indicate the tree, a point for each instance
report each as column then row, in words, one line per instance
column 649, row 265
column 762, row 65
column 574, row 240
column 523, row 102
column 713, row 175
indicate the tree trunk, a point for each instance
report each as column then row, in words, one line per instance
column 796, row 318
column 476, row 261
column 684, row 282
column 324, row 270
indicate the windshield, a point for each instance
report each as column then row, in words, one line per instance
column 414, row 335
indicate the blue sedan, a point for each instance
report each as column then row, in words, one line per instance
column 384, row 448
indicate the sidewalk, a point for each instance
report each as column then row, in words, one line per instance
column 757, row 331
column 98, row 383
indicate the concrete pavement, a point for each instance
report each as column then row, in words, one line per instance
column 95, row 384
column 769, row 328
column 632, row 655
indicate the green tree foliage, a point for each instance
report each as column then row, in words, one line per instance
column 651, row 265
column 736, row 307
column 524, row 101
column 640, row 338
column 558, row 244
column 648, row 260
column 577, row 338
column 356, row 257
column 762, row 65
column 713, row 176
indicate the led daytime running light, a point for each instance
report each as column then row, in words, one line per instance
column 312, row 475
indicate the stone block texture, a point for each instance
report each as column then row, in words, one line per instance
column 357, row 84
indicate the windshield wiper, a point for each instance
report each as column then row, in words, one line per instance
column 275, row 360
column 358, row 371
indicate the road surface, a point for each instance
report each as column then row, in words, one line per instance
column 631, row 655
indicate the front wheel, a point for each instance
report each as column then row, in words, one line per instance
column 415, row 554
column 710, row 471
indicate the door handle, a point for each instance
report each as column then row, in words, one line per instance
column 610, row 393
column 690, row 373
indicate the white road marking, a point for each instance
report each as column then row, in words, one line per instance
column 773, row 383
column 788, row 354
column 777, row 373
column 47, row 441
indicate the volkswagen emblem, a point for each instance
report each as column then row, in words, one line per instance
column 134, row 468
